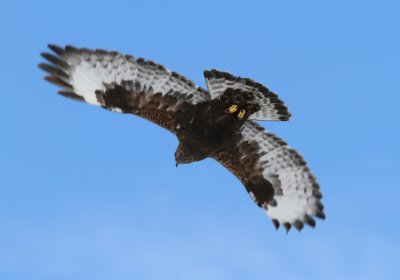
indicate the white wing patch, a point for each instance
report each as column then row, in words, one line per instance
column 83, row 72
column 296, row 190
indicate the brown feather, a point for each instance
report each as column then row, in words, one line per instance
column 159, row 109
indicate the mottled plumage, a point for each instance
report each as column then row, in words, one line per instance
column 217, row 123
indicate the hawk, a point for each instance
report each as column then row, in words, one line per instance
column 218, row 123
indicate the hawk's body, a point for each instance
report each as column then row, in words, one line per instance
column 216, row 123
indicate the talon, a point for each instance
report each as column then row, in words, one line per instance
column 233, row 108
column 241, row 114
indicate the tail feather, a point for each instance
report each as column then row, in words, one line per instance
column 271, row 107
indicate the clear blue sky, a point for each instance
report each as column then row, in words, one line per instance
column 90, row 194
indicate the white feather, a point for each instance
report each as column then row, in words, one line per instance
column 285, row 170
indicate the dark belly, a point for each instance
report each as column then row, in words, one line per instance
column 213, row 135
column 209, row 128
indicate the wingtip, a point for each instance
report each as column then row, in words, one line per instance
column 72, row 95
column 55, row 48
column 58, row 72
column 58, row 81
column 321, row 215
column 276, row 224
column 287, row 227
column 70, row 48
column 42, row 66
column 54, row 59
column 44, row 54
column 285, row 117
column 298, row 225
column 310, row 221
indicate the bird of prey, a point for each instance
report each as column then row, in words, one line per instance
column 218, row 123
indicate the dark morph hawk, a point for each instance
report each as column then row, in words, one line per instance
column 218, row 123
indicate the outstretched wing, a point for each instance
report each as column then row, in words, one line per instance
column 271, row 107
column 121, row 83
column 275, row 176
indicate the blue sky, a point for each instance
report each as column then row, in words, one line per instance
column 90, row 194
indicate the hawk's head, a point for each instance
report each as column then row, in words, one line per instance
column 186, row 154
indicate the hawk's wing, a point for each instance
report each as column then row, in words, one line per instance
column 121, row 83
column 275, row 176
column 272, row 108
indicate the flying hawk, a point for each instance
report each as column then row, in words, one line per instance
column 217, row 123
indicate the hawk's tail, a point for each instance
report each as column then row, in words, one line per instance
column 240, row 98
column 271, row 108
